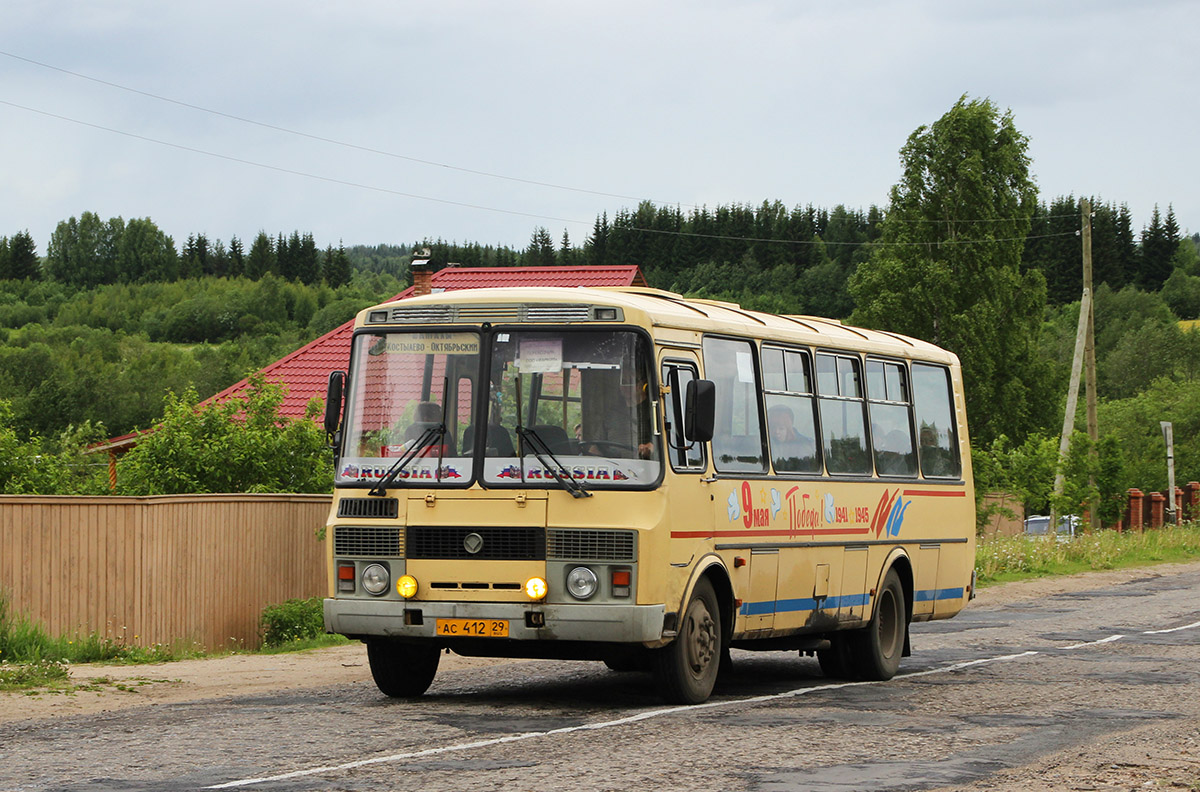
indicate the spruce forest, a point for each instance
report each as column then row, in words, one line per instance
column 116, row 321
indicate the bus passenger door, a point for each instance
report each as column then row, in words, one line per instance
column 853, row 598
column 690, row 498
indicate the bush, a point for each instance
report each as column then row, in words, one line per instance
column 239, row 445
column 292, row 620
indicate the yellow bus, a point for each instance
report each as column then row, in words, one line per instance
column 628, row 476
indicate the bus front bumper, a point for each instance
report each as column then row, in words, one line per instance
column 600, row 623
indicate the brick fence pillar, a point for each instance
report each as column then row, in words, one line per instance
column 1191, row 500
column 1157, row 503
column 1135, row 509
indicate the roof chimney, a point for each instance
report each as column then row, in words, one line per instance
column 422, row 273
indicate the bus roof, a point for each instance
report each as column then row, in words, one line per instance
column 664, row 310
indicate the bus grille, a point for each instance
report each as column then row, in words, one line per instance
column 499, row 544
column 358, row 508
column 448, row 314
column 377, row 541
column 557, row 313
column 592, row 545
column 429, row 313
column 489, row 313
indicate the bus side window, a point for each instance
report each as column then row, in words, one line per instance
column 936, row 430
column 891, row 419
column 683, row 455
column 791, row 418
column 737, row 443
column 843, row 425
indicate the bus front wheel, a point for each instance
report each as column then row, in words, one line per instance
column 401, row 670
column 876, row 650
column 686, row 669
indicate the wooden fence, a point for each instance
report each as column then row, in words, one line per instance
column 166, row 569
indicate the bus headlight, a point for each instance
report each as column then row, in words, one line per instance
column 535, row 588
column 376, row 579
column 582, row 583
column 406, row 586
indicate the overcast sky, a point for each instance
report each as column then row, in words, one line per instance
column 479, row 121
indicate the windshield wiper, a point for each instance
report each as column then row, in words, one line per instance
column 421, row 444
column 558, row 470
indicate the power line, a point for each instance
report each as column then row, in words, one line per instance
column 319, row 138
column 290, row 171
column 463, row 204
column 393, row 155
column 730, row 237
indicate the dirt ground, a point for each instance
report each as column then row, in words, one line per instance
column 1133, row 760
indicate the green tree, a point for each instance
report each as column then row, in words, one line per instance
column 262, row 257
column 18, row 258
column 947, row 268
column 146, row 254
column 1182, row 293
column 336, row 269
column 237, row 257
column 83, row 252
column 1160, row 240
column 241, row 445
column 308, row 261
column 540, row 252
column 1138, row 439
column 595, row 249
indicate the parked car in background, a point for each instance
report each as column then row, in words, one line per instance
column 1039, row 525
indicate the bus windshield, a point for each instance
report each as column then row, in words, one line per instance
column 586, row 398
column 404, row 387
column 559, row 403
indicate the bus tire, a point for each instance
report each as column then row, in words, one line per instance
column 628, row 661
column 835, row 661
column 686, row 669
column 877, row 650
column 402, row 670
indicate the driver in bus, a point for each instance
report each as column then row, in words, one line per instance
column 627, row 424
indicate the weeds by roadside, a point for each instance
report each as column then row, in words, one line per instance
column 33, row 661
column 1015, row 557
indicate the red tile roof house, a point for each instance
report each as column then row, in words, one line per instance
column 305, row 372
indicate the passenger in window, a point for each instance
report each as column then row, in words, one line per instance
column 936, row 459
column 893, row 452
column 790, row 450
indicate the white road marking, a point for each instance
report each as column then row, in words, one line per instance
column 658, row 713
column 1191, row 626
column 1109, row 639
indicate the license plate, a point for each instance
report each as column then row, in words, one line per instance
column 473, row 628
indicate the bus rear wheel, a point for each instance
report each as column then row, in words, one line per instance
column 686, row 669
column 402, row 670
column 876, row 650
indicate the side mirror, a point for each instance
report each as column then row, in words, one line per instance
column 699, row 410
column 333, row 401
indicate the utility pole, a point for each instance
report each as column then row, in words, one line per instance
column 1169, row 438
column 1083, row 359
column 1089, row 351
column 1064, row 444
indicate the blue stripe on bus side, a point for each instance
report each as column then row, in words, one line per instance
column 831, row 603
column 938, row 594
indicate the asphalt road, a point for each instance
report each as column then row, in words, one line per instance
column 986, row 695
